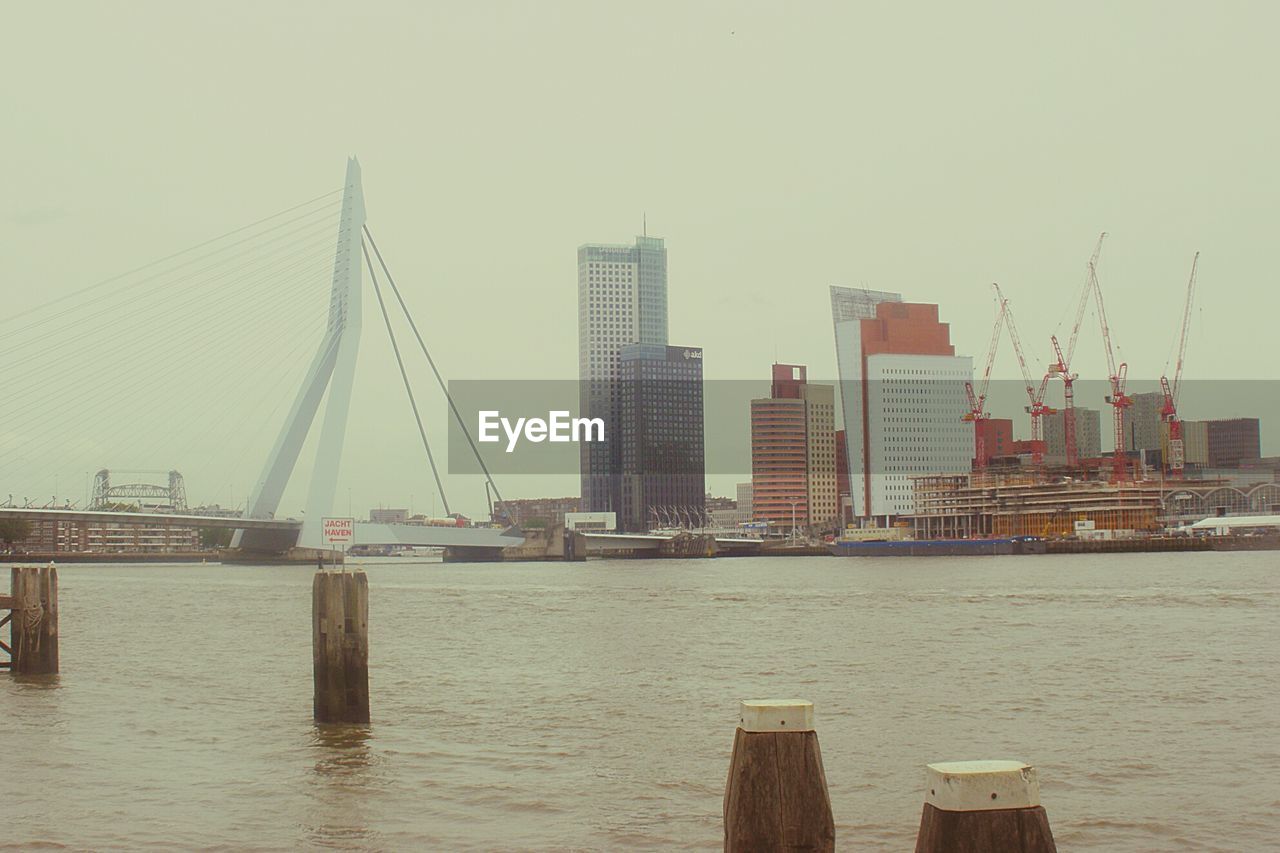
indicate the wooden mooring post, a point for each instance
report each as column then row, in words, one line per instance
column 340, row 646
column 979, row 806
column 776, row 797
column 33, row 620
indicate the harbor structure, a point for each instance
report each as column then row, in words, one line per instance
column 622, row 300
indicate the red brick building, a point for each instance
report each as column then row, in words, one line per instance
column 793, row 452
column 997, row 438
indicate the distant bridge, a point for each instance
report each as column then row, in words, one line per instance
column 259, row 530
column 283, row 533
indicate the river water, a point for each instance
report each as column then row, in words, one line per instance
column 591, row 706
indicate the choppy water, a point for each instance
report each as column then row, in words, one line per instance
column 592, row 706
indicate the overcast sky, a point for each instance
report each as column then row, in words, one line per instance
column 779, row 148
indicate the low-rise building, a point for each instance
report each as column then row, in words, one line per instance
column 389, row 516
column 1232, row 441
column 591, row 521
column 546, row 512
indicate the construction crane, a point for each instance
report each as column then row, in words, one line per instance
column 1169, row 412
column 1061, row 367
column 1036, row 407
column 1118, row 376
column 978, row 401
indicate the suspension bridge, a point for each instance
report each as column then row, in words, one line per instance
column 117, row 397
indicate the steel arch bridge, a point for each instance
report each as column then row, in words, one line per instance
column 107, row 494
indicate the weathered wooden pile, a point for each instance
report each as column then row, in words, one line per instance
column 776, row 797
column 32, row 606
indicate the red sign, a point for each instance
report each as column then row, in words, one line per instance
column 338, row 531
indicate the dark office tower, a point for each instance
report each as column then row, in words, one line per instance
column 661, row 458
column 1233, row 440
column 622, row 300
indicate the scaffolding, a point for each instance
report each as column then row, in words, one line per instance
column 1020, row 504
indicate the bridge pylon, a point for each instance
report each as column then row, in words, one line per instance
column 332, row 370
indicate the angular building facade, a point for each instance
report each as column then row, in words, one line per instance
column 902, row 395
column 849, row 307
column 661, row 458
column 622, row 300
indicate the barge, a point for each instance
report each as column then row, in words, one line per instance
column 937, row 547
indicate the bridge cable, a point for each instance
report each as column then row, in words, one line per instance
column 179, row 253
column 439, row 379
column 405, row 377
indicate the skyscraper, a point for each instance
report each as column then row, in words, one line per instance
column 661, row 456
column 622, row 300
column 849, row 307
column 793, row 454
column 902, row 393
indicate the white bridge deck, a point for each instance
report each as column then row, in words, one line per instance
column 365, row 533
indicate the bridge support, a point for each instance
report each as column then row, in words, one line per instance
column 340, row 646
column 332, row 371
column 33, row 620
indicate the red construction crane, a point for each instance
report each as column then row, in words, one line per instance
column 1118, row 377
column 978, row 401
column 1035, row 393
column 1169, row 413
column 1061, row 368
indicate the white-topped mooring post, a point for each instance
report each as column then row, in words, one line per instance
column 983, row 805
column 776, row 797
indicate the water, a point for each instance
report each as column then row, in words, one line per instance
column 592, row 706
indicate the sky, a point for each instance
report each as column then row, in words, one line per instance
column 929, row 149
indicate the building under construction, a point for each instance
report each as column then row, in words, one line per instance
column 1008, row 503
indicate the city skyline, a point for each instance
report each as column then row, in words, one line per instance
column 629, row 325
column 760, row 218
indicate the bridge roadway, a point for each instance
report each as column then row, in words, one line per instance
column 365, row 533
column 368, row 533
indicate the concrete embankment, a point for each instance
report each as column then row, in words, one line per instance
column 1157, row 544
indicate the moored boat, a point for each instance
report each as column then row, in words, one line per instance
column 936, row 547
